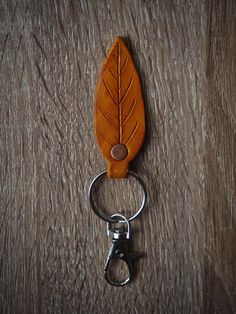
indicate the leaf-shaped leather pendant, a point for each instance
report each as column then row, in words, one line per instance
column 119, row 110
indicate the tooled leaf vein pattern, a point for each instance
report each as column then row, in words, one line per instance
column 119, row 96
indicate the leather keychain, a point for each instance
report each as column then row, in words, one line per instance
column 120, row 127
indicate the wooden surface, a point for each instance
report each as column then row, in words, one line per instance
column 53, row 247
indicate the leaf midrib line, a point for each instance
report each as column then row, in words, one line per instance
column 118, row 101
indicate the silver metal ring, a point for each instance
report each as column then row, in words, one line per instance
column 106, row 217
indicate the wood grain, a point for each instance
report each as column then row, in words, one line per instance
column 53, row 247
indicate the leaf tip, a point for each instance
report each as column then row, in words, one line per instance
column 118, row 39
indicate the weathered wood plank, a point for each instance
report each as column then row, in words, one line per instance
column 53, row 247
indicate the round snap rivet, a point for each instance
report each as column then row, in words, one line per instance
column 119, row 152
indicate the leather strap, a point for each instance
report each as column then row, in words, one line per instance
column 119, row 110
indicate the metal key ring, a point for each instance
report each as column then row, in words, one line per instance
column 106, row 217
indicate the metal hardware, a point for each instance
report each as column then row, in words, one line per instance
column 106, row 217
column 120, row 249
column 121, row 237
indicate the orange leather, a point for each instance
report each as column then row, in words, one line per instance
column 119, row 110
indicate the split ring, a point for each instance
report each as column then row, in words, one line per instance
column 108, row 218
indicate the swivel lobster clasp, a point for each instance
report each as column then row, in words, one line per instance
column 120, row 249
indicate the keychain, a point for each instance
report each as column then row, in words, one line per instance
column 120, row 128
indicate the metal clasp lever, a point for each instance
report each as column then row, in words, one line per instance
column 120, row 249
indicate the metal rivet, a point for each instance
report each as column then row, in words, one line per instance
column 119, row 152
